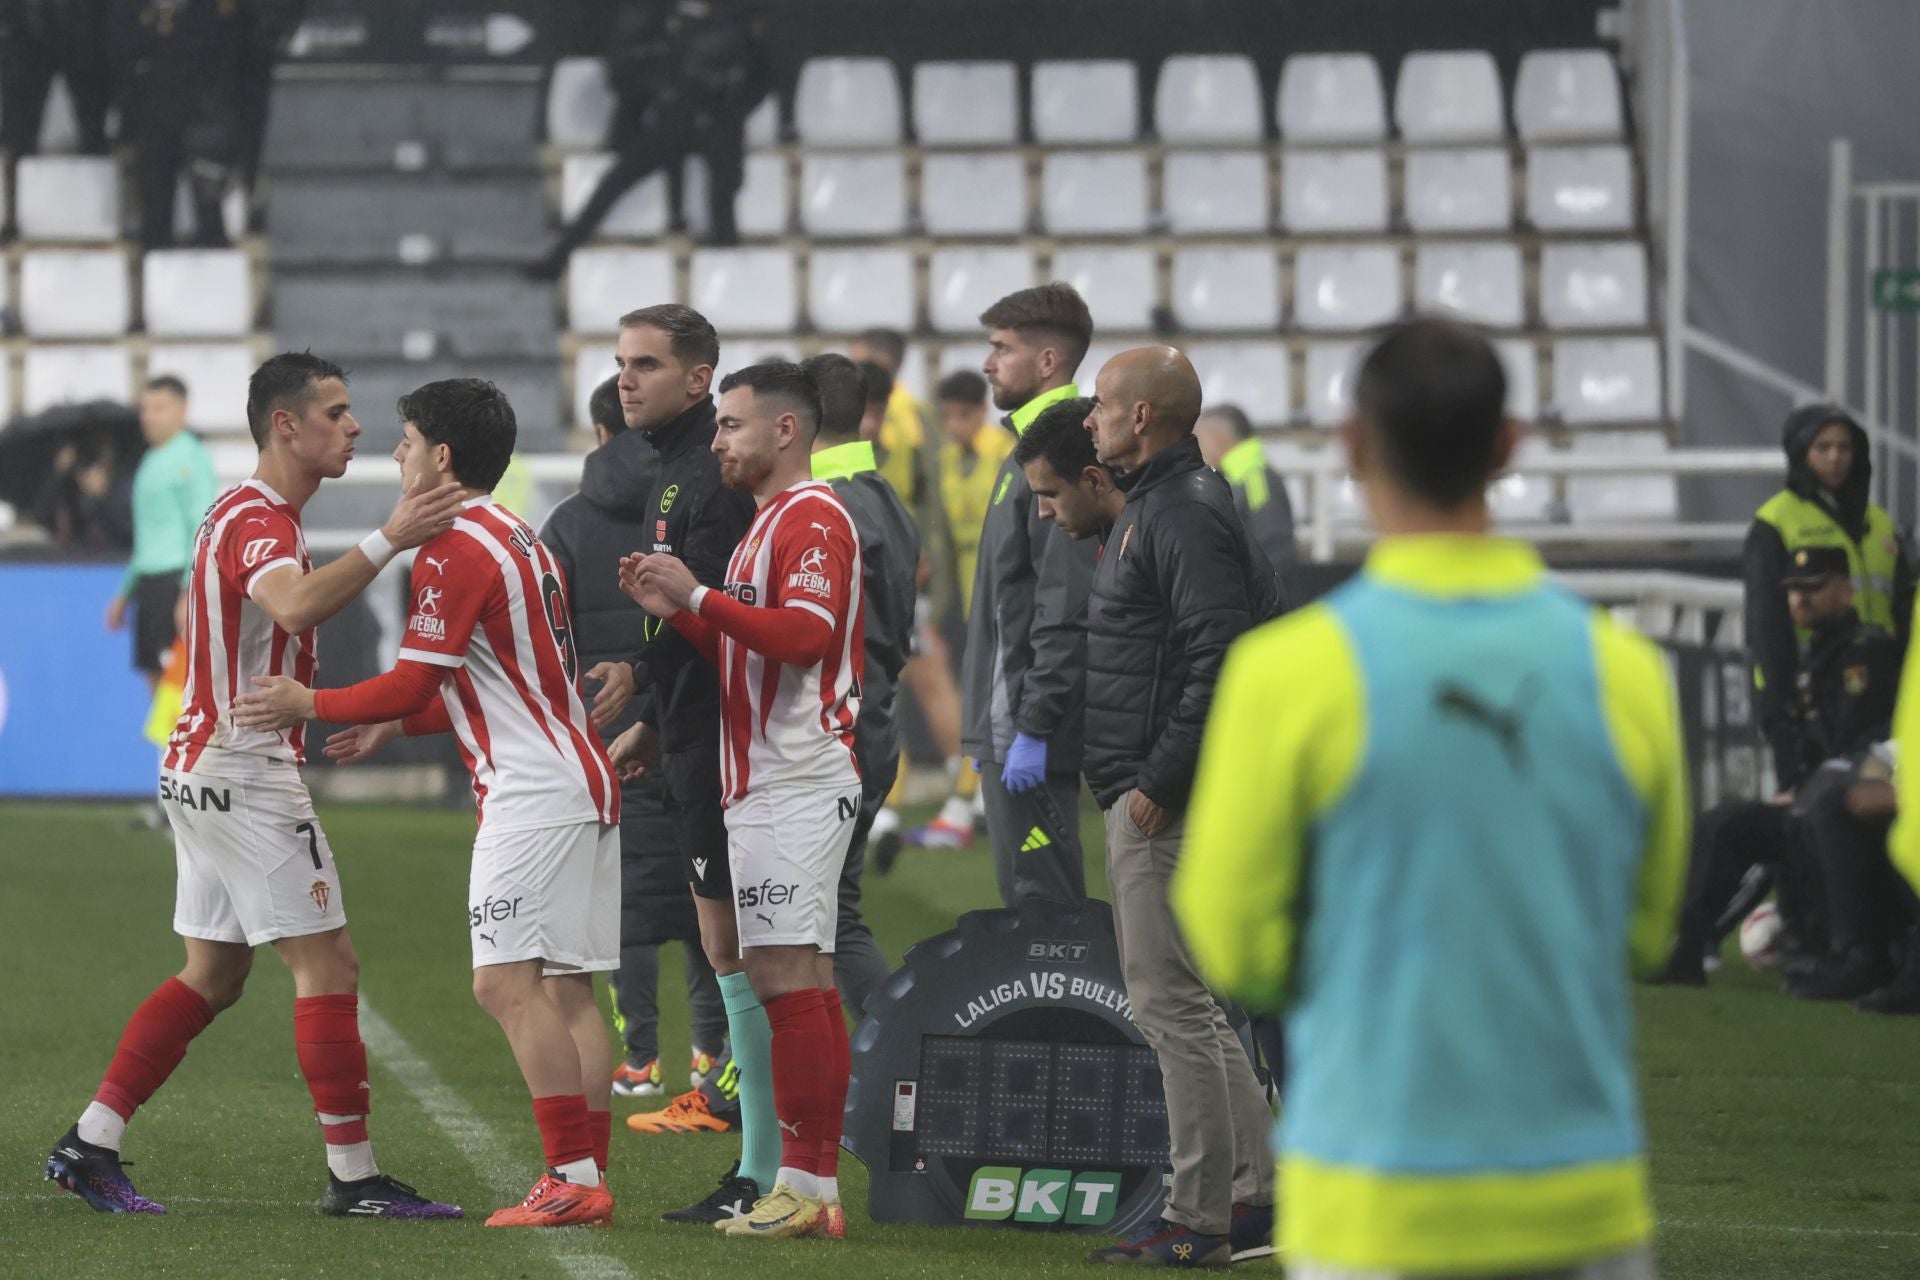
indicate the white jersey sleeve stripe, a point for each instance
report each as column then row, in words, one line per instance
column 811, row 608
column 436, row 659
column 260, row 574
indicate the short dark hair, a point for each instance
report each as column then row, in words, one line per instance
column 1236, row 418
column 843, row 393
column 284, row 382
column 603, row 406
column 890, row 341
column 962, row 386
column 1051, row 310
column 786, row 380
column 879, row 382
column 690, row 337
column 471, row 417
column 1060, row 436
column 167, row 382
column 1434, row 393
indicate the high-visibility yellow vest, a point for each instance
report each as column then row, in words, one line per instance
column 1873, row 559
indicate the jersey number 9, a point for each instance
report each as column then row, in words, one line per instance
column 555, row 600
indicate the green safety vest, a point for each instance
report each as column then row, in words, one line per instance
column 1873, row 559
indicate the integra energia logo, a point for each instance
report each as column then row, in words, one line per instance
column 999, row 1193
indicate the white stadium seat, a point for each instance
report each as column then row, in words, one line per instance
column 1093, row 101
column 579, row 103
column 1459, row 189
column 1580, row 188
column 741, row 352
column 216, row 375
column 745, row 290
column 851, row 289
column 1449, row 97
column 74, row 293
column 761, row 209
column 6, row 405
column 1342, row 288
column 1522, row 363
column 913, row 373
column 964, row 281
column 763, row 125
column 55, row 375
column 1478, row 282
column 67, row 198
column 1519, row 496
column 848, row 102
column 853, row 193
column 1256, row 376
column 1209, row 192
column 592, row 365
column 1607, row 380
column 1626, row 497
column 640, row 214
column 1226, row 288
column 1121, row 286
column 1208, row 98
column 1094, row 193
column 1344, row 190
column 1594, row 286
column 197, row 293
column 604, row 284
column 966, row 103
column 1566, row 94
column 1332, row 97
column 1095, row 360
column 971, row 356
column 968, row 194
column 1330, row 370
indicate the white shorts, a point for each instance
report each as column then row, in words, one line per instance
column 550, row 894
column 786, row 846
column 254, row 865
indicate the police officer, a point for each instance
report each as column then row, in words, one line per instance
column 1260, row 496
column 185, row 101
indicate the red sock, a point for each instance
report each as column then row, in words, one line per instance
column 333, row 1058
column 600, row 1124
column 842, row 1069
column 802, row 1075
column 565, row 1131
column 152, row 1045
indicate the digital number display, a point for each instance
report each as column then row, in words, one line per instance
column 1034, row 1102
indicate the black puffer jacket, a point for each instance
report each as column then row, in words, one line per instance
column 1178, row 581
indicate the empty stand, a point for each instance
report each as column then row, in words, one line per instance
column 1330, row 367
column 851, row 289
column 604, row 284
column 1594, row 286
column 1094, row 101
column 1208, row 98
column 848, row 102
column 1211, row 192
column 1334, row 190
column 73, row 374
column 383, row 314
column 579, row 103
column 415, row 124
column 1332, row 97
column 1563, row 94
column 1226, row 288
column 1580, row 188
column 1459, row 189
column 1121, row 285
column 1480, row 282
column 1522, row 363
column 745, row 290
column 216, row 375
column 67, row 198
column 1094, row 193
column 761, row 210
column 966, row 103
column 639, row 214
column 197, row 293
column 1627, row 497
column 1607, row 380
column 397, row 218
column 974, row 194
column 1520, row 497
column 1341, row 288
column 1449, row 97
column 74, row 293
column 964, row 281
column 852, row 193
column 1256, row 376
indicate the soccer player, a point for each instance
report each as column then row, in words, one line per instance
column 489, row 654
column 787, row 636
column 254, row 866
column 1438, row 817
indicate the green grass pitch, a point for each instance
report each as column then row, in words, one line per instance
column 1786, row 1136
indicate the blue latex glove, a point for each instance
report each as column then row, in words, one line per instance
column 1026, row 766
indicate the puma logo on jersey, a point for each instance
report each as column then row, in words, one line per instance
column 791, row 1126
column 761, row 915
column 1507, row 727
column 824, row 531
column 439, row 565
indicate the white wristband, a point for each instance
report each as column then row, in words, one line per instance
column 376, row 548
column 693, row 601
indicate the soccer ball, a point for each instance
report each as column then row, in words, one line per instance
column 1760, row 937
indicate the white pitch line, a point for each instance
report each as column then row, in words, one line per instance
column 574, row 1250
column 1684, row 1224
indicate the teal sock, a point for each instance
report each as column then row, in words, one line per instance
column 753, row 1055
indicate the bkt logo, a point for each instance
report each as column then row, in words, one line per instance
column 1059, row 952
column 998, row 1193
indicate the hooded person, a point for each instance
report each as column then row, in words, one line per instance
column 1824, row 504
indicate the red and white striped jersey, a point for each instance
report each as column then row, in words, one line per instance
column 249, row 531
column 781, row 724
column 490, row 606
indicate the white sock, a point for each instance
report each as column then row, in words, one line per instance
column 885, row 822
column 829, row 1188
column 798, row 1180
column 348, row 1161
column 581, row 1173
column 102, row 1126
column 957, row 812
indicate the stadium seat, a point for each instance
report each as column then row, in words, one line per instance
column 1567, row 94
column 1094, row 193
column 74, row 293
column 67, row 198
column 964, row 281
column 1520, row 497
column 1580, row 188
column 592, row 365
column 1095, row 360
column 579, row 103
column 849, row 194
column 1256, row 376
column 848, row 102
column 760, row 210
column 1480, row 282
column 1464, row 189
column 1332, row 97
column 963, row 194
column 971, row 356
column 216, row 375
column 1343, row 190
column 741, row 352
column 966, row 103
column 1226, row 288
column 1625, row 497
column 1607, row 380
column 745, row 290
column 66, row 374
column 763, row 124
column 1522, row 362
column 913, row 373
column 1208, row 98
column 851, row 289
column 604, row 284
column 1095, row 101
column 1594, row 286
column 1341, row 288
column 1329, row 390
column 640, row 214
column 197, row 293
column 1121, row 285
column 1449, row 97
column 1209, row 192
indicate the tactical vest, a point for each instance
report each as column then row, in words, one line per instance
column 1802, row 523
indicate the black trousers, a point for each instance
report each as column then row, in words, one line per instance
column 1732, row 839
column 859, row 966
column 1870, row 906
